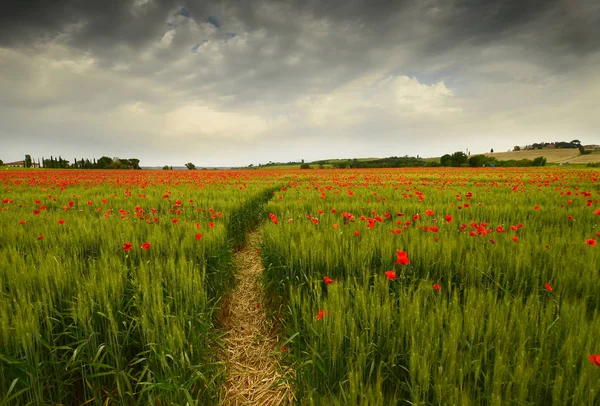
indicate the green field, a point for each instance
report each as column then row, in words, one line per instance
column 411, row 286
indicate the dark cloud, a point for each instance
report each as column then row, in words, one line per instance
column 569, row 23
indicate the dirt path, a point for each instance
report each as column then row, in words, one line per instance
column 251, row 351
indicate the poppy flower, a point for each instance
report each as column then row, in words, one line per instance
column 146, row 245
column 595, row 358
column 89, row 203
column 402, row 258
column 536, row 208
column 436, row 286
column 257, row 305
column 327, row 280
column 283, row 348
column 591, row 242
column 211, row 224
column 41, row 237
column 36, row 212
column 515, row 239
column 449, row 219
column 198, row 237
column 391, row 275
column 22, row 222
column 597, row 211
column 320, row 314
column 548, row 287
column 175, row 220
column 61, row 221
column 357, row 233
column 429, row 212
column 127, row 246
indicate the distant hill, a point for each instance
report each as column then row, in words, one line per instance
column 569, row 155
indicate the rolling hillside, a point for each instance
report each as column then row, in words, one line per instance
column 552, row 155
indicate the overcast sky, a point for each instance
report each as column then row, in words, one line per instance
column 229, row 83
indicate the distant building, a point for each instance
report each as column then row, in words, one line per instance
column 21, row 164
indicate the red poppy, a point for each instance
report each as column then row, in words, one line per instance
column 591, row 242
column 283, row 348
column 22, row 222
column 211, row 224
column 514, row 228
column 127, row 246
column 597, row 211
column 320, row 314
column 595, row 358
column 548, row 287
column 402, row 258
column 61, row 221
column 449, row 219
column 357, row 233
column 36, row 212
column 257, row 305
column 175, row 220
column 536, row 208
column 391, row 275
column 198, row 237
column 71, row 203
column 327, row 280
column 146, row 245
column 515, row 239
column 429, row 212
column 436, row 286
column 41, row 237
column 89, row 202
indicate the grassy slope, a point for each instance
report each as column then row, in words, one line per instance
column 552, row 155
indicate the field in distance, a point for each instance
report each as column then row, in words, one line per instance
column 571, row 156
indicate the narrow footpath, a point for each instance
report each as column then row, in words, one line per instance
column 254, row 374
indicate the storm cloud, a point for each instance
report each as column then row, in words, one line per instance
column 232, row 83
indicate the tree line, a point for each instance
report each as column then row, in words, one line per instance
column 459, row 159
column 102, row 163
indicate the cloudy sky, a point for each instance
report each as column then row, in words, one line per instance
column 229, row 83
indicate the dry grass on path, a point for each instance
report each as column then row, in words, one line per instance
column 254, row 375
